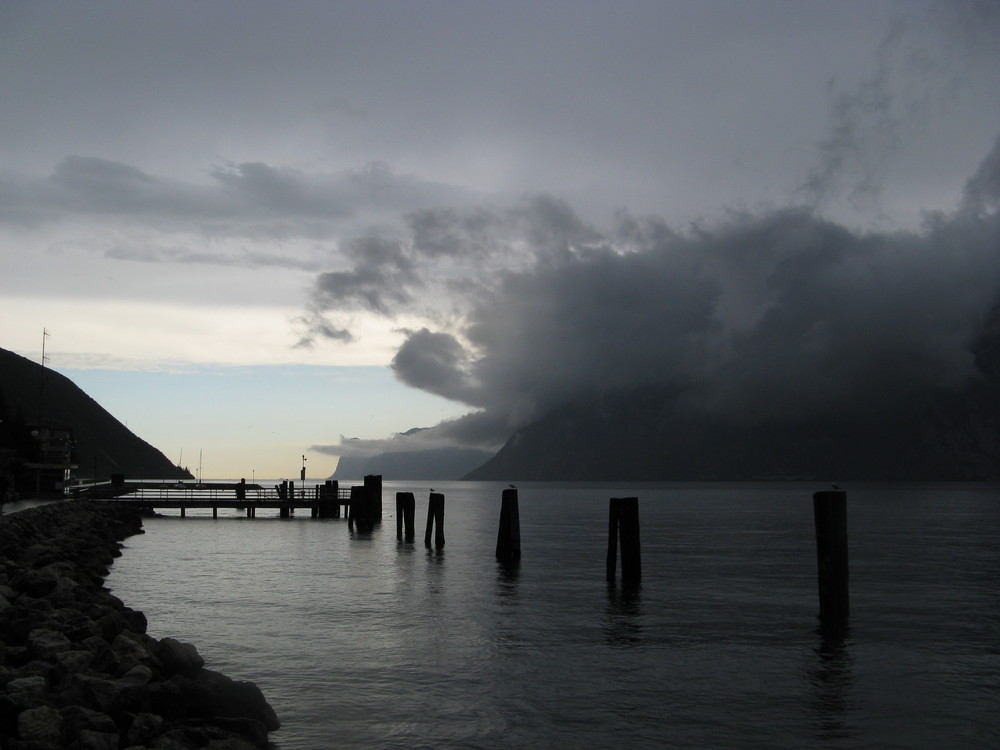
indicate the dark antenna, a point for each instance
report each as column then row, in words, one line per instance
column 41, row 377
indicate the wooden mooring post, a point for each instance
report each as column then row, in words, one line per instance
column 435, row 515
column 405, row 508
column 360, row 512
column 623, row 528
column 509, row 534
column 373, row 496
column 327, row 504
column 830, row 513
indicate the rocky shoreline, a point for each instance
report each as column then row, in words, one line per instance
column 77, row 669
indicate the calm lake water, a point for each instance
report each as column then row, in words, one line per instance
column 362, row 641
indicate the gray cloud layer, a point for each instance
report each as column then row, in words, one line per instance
column 86, row 185
column 768, row 313
column 760, row 316
column 254, row 135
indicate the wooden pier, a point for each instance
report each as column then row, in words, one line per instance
column 323, row 501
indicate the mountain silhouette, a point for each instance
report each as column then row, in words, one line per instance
column 646, row 434
column 30, row 393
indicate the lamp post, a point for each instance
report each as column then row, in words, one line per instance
column 302, row 475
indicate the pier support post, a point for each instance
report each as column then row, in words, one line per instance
column 435, row 515
column 360, row 516
column 623, row 527
column 215, row 511
column 405, row 507
column 373, row 496
column 183, row 509
column 830, row 514
column 241, row 490
column 509, row 535
column 328, row 507
column 284, row 511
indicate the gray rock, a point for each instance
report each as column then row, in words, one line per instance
column 227, row 697
column 45, row 644
column 42, row 725
column 64, row 592
column 144, row 729
column 35, row 583
column 38, row 668
column 88, row 739
column 33, row 684
column 179, row 658
column 78, row 718
column 105, row 695
column 129, row 651
column 138, row 675
column 74, row 661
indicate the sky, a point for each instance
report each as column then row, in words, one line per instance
column 258, row 231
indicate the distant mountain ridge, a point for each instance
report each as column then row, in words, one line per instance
column 101, row 440
column 437, row 464
column 935, row 434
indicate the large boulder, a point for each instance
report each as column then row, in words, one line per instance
column 179, row 658
column 42, row 725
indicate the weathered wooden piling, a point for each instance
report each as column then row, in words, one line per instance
column 623, row 528
column 509, row 535
column 830, row 514
column 405, row 507
column 435, row 515
column 360, row 516
column 373, row 495
column 328, row 505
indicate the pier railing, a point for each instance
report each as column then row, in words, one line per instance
column 323, row 500
column 223, row 492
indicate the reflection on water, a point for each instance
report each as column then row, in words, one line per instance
column 831, row 678
column 718, row 648
column 507, row 575
column 621, row 618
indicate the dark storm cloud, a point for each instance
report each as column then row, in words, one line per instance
column 982, row 191
column 453, row 232
column 380, row 280
column 445, row 257
column 434, row 362
column 759, row 317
